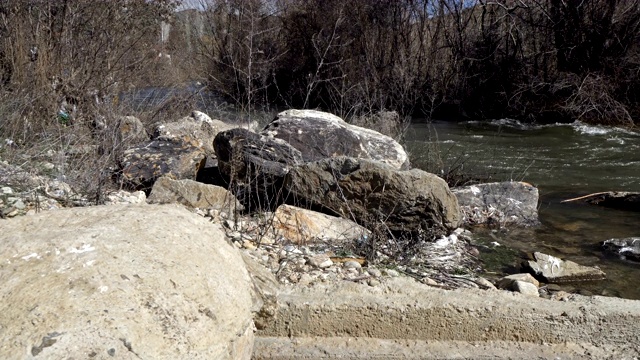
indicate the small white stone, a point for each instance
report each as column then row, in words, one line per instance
column 526, row 288
column 248, row 244
column 392, row 273
column 374, row 272
column 19, row 204
column 305, row 279
column 373, row 282
column 351, row 264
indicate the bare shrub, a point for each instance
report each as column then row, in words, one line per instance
column 593, row 101
column 388, row 123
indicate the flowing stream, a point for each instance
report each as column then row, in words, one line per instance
column 564, row 161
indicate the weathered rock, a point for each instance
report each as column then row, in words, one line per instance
column 192, row 194
column 370, row 192
column 306, row 226
column 200, row 116
column 485, row 284
column 555, row 270
column 150, row 282
column 196, row 130
column 125, row 197
column 499, row 204
column 256, row 166
column 320, row 261
column 246, row 154
column 628, row 248
column 508, row 282
column 526, row 288
column 142, row 165
column 319, row 135
column 131, row 131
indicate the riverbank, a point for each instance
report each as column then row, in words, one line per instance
column 563, row 161
column 147, row 272
column 343, row 273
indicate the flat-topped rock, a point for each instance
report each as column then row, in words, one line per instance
column 556, row 270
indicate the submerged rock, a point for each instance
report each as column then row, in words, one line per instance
column 621, row 200
column 556, row 270
column 499, row 204
column 628, row 248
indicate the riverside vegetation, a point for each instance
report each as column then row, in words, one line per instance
column 65, row 66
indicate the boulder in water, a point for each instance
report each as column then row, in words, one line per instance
column 556, row 270
column 628, row 248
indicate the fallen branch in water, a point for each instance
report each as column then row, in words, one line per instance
column 586, row 196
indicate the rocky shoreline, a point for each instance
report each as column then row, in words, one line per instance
column 341, row 207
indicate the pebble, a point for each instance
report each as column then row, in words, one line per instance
column 248, row 244
column 6, row 190
column 373, row 282
column 320, row 261
column 305, row 279
column 13, row 213
column 374, row 272
column 429, row 281
column 267, row 240
column 352, row 265
column 392, row 273
column 486, row 283
column 325, row 264
column 235, row 235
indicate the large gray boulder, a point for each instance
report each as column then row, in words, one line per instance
column 499, row 204
column 319, row 135
column 255, row 165
column 126, row 282
column 370, row 192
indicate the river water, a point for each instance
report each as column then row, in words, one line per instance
column 564, row 161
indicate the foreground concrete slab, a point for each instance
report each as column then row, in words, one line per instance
column 402, row 309
column 350, row 348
